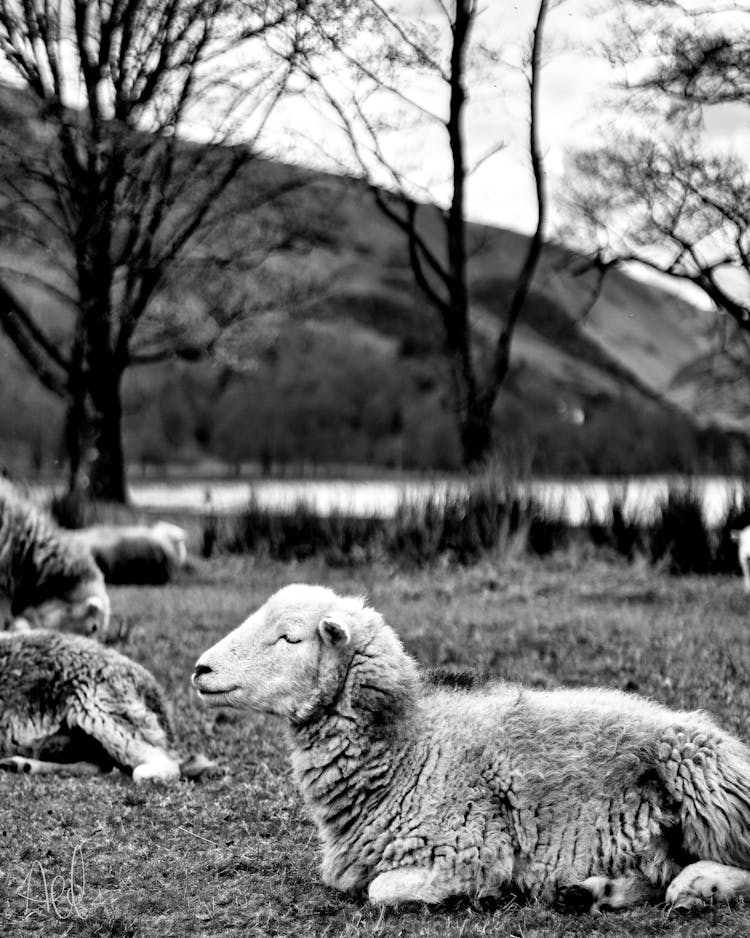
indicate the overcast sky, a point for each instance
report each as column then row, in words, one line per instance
column 502, row 191
column 578, row 86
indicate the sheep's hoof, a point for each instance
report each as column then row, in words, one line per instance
column 606, row 894
column 575, row 899
column 159, row 770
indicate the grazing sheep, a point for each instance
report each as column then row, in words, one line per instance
column 593, row 797
column 71, row 706
column 135, row 553
column 45, row 582
column 742, row 539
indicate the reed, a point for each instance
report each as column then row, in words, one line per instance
column 490, row 515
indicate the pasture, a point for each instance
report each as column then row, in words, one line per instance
column 238, row 856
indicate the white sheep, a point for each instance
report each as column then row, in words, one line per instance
column 71, row 706
column 45, row 581
column 594, row 797
column 742, row 539
column 135, row 553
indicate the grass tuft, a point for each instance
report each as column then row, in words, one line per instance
column 679, row 538
column 301, row 533
column 618, row 531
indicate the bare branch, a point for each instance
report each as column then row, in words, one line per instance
column 480, row 161
column 109, row 185
column 22, row 331
column 418, row 47
column 26, row 276
column 525, row 277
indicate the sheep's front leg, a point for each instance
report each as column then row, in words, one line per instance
column 608, row 894
column 745, row 565
column 706, row 881
column 410, row 884
column 27, row 766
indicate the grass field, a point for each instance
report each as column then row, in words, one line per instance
column 238, row 856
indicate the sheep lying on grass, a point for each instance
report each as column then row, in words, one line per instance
column 135, row 553
column 742, row 539
column 71, row 706
column 593, row 797
column 45, row 582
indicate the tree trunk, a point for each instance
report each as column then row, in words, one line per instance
column 475, row 422
column 107, row 471
column 75, row 447
column 103, row 368
column 473, row 410
column 76, row 428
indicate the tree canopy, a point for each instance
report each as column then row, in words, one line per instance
column 103, row 191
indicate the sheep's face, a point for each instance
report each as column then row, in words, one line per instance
column 275, row 660
column 85, row 611
column 175, row 540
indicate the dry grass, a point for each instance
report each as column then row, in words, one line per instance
column 238, row 856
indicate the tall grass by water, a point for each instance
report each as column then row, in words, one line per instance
column 492, row 515
column 463, row 525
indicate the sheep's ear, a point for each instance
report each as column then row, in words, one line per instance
column 334, row 633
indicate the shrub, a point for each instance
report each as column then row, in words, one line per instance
column 626, row 532
column 548, row 530
column 679, row 537
column 463, row 524
column 416, row 532
column 617, row 531
column 302, row 532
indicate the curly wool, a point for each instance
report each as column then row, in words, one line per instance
column 508, row 785
column 36, row 561
column 52, row 683
column 134, row 553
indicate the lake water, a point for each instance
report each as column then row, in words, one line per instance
column 576, row 500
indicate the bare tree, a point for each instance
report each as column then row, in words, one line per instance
column 664, row 197
column 106, row 205
column 382, row 98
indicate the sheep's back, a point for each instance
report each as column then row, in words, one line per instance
column 48, row 677
column 533, row 744
column 36, row 561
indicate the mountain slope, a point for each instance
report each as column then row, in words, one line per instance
column 361, row 376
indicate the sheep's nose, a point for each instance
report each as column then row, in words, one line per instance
column 201, row 669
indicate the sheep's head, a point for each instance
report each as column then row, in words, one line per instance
column 84, row 610
column 305, row 649
column 174, row 538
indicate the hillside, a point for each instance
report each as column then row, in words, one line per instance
column 361, row 378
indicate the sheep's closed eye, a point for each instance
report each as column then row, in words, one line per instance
column 289, row 641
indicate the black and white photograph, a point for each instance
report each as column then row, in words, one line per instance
column 374, row 468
